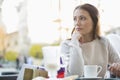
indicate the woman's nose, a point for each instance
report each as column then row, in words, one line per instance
column 78, row 22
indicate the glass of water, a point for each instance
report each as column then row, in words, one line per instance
column 51, row 58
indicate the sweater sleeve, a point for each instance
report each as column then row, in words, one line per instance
column 75, row 61
column 113, row 54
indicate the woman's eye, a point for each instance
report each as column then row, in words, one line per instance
column 82, row 18
column 74, row 18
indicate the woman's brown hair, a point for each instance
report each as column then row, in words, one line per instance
column 94, row 14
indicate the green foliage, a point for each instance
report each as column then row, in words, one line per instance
column 55, row 43
column 36, row 51
column 11, row 55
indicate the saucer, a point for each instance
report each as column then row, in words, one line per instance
column 90, row 78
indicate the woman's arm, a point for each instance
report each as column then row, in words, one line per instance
column 113, row 54
column 73, row 52
column 114, row 58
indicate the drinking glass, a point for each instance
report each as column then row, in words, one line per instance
column 51, row 58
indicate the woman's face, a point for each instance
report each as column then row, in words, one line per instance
column 82, row 22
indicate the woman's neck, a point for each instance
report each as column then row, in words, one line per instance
column 86, row 38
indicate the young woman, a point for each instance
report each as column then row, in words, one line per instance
column 86, row 46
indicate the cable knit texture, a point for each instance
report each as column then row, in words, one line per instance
column 99, row 52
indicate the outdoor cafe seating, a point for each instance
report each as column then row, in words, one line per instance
column 27, row 73
column 8, row 74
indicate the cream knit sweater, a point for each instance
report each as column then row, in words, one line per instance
column 98, row 52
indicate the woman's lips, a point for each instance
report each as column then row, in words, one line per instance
column 78, row 29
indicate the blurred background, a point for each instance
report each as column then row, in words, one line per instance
column 28, row 25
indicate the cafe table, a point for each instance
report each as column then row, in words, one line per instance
column 98, row 79
column 75, row 77
column 8, row 71
column 9, row 77
column 41, row 78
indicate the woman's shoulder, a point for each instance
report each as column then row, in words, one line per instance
column 104, row 40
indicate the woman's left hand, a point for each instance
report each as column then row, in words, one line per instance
column 115, row 69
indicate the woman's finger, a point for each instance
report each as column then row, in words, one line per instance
column 118, row 70
column 112, row 68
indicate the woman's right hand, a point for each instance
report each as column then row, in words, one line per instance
column 75, row 38
column 76, row 35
